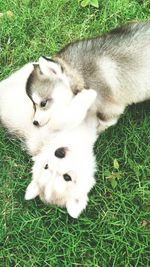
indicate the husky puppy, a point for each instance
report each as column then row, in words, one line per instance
column 116, row 65
column 17, row 111
column 63, row 172
column 59, row 107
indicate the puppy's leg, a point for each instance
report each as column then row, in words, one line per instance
column 76, row 206
column 108, row 114
column 76, row 112
column 103, row 125
column 32, row 191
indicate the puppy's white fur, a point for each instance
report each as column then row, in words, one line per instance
column 63, row 119
column 16, row 109
column 64, row 113
column 17, row 112
column 79, row 163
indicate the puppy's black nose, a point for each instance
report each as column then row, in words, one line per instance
column 36, row 123
column 60, row 152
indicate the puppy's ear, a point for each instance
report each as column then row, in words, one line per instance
column 32, row 191
column 76, row 206
column 49, row 67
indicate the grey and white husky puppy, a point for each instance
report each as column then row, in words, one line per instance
column 116, row 65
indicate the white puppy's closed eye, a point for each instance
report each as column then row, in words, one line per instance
column 32, row 191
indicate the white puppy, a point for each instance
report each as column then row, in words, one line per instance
column 63, row 173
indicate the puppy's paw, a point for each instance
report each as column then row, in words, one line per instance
column 103, row 125
column 32, row 191
column 76, row 206
column 89, row 95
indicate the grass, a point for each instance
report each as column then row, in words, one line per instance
column 114, row 229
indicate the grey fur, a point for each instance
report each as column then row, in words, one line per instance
column 116, row 65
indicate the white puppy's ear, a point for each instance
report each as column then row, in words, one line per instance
column 76, row 206
column 49, row 67
column 32, row 191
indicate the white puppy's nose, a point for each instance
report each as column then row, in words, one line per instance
column 36, row 123
column 60, row 152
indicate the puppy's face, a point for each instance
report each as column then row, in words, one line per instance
column 61, row 178
column 48, row 88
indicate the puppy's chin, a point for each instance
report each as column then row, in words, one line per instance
column 52, row 200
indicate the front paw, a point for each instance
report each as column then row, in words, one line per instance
column 89, row 96
column 76, row 206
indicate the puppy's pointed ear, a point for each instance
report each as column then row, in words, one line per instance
column 49, row 67
column 76, row 206
column 32, row 191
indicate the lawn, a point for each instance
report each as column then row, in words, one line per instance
column 114, row 229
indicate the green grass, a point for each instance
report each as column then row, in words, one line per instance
column 114, row 229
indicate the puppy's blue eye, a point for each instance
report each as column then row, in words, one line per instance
column 43, row 103
column 67, row 177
